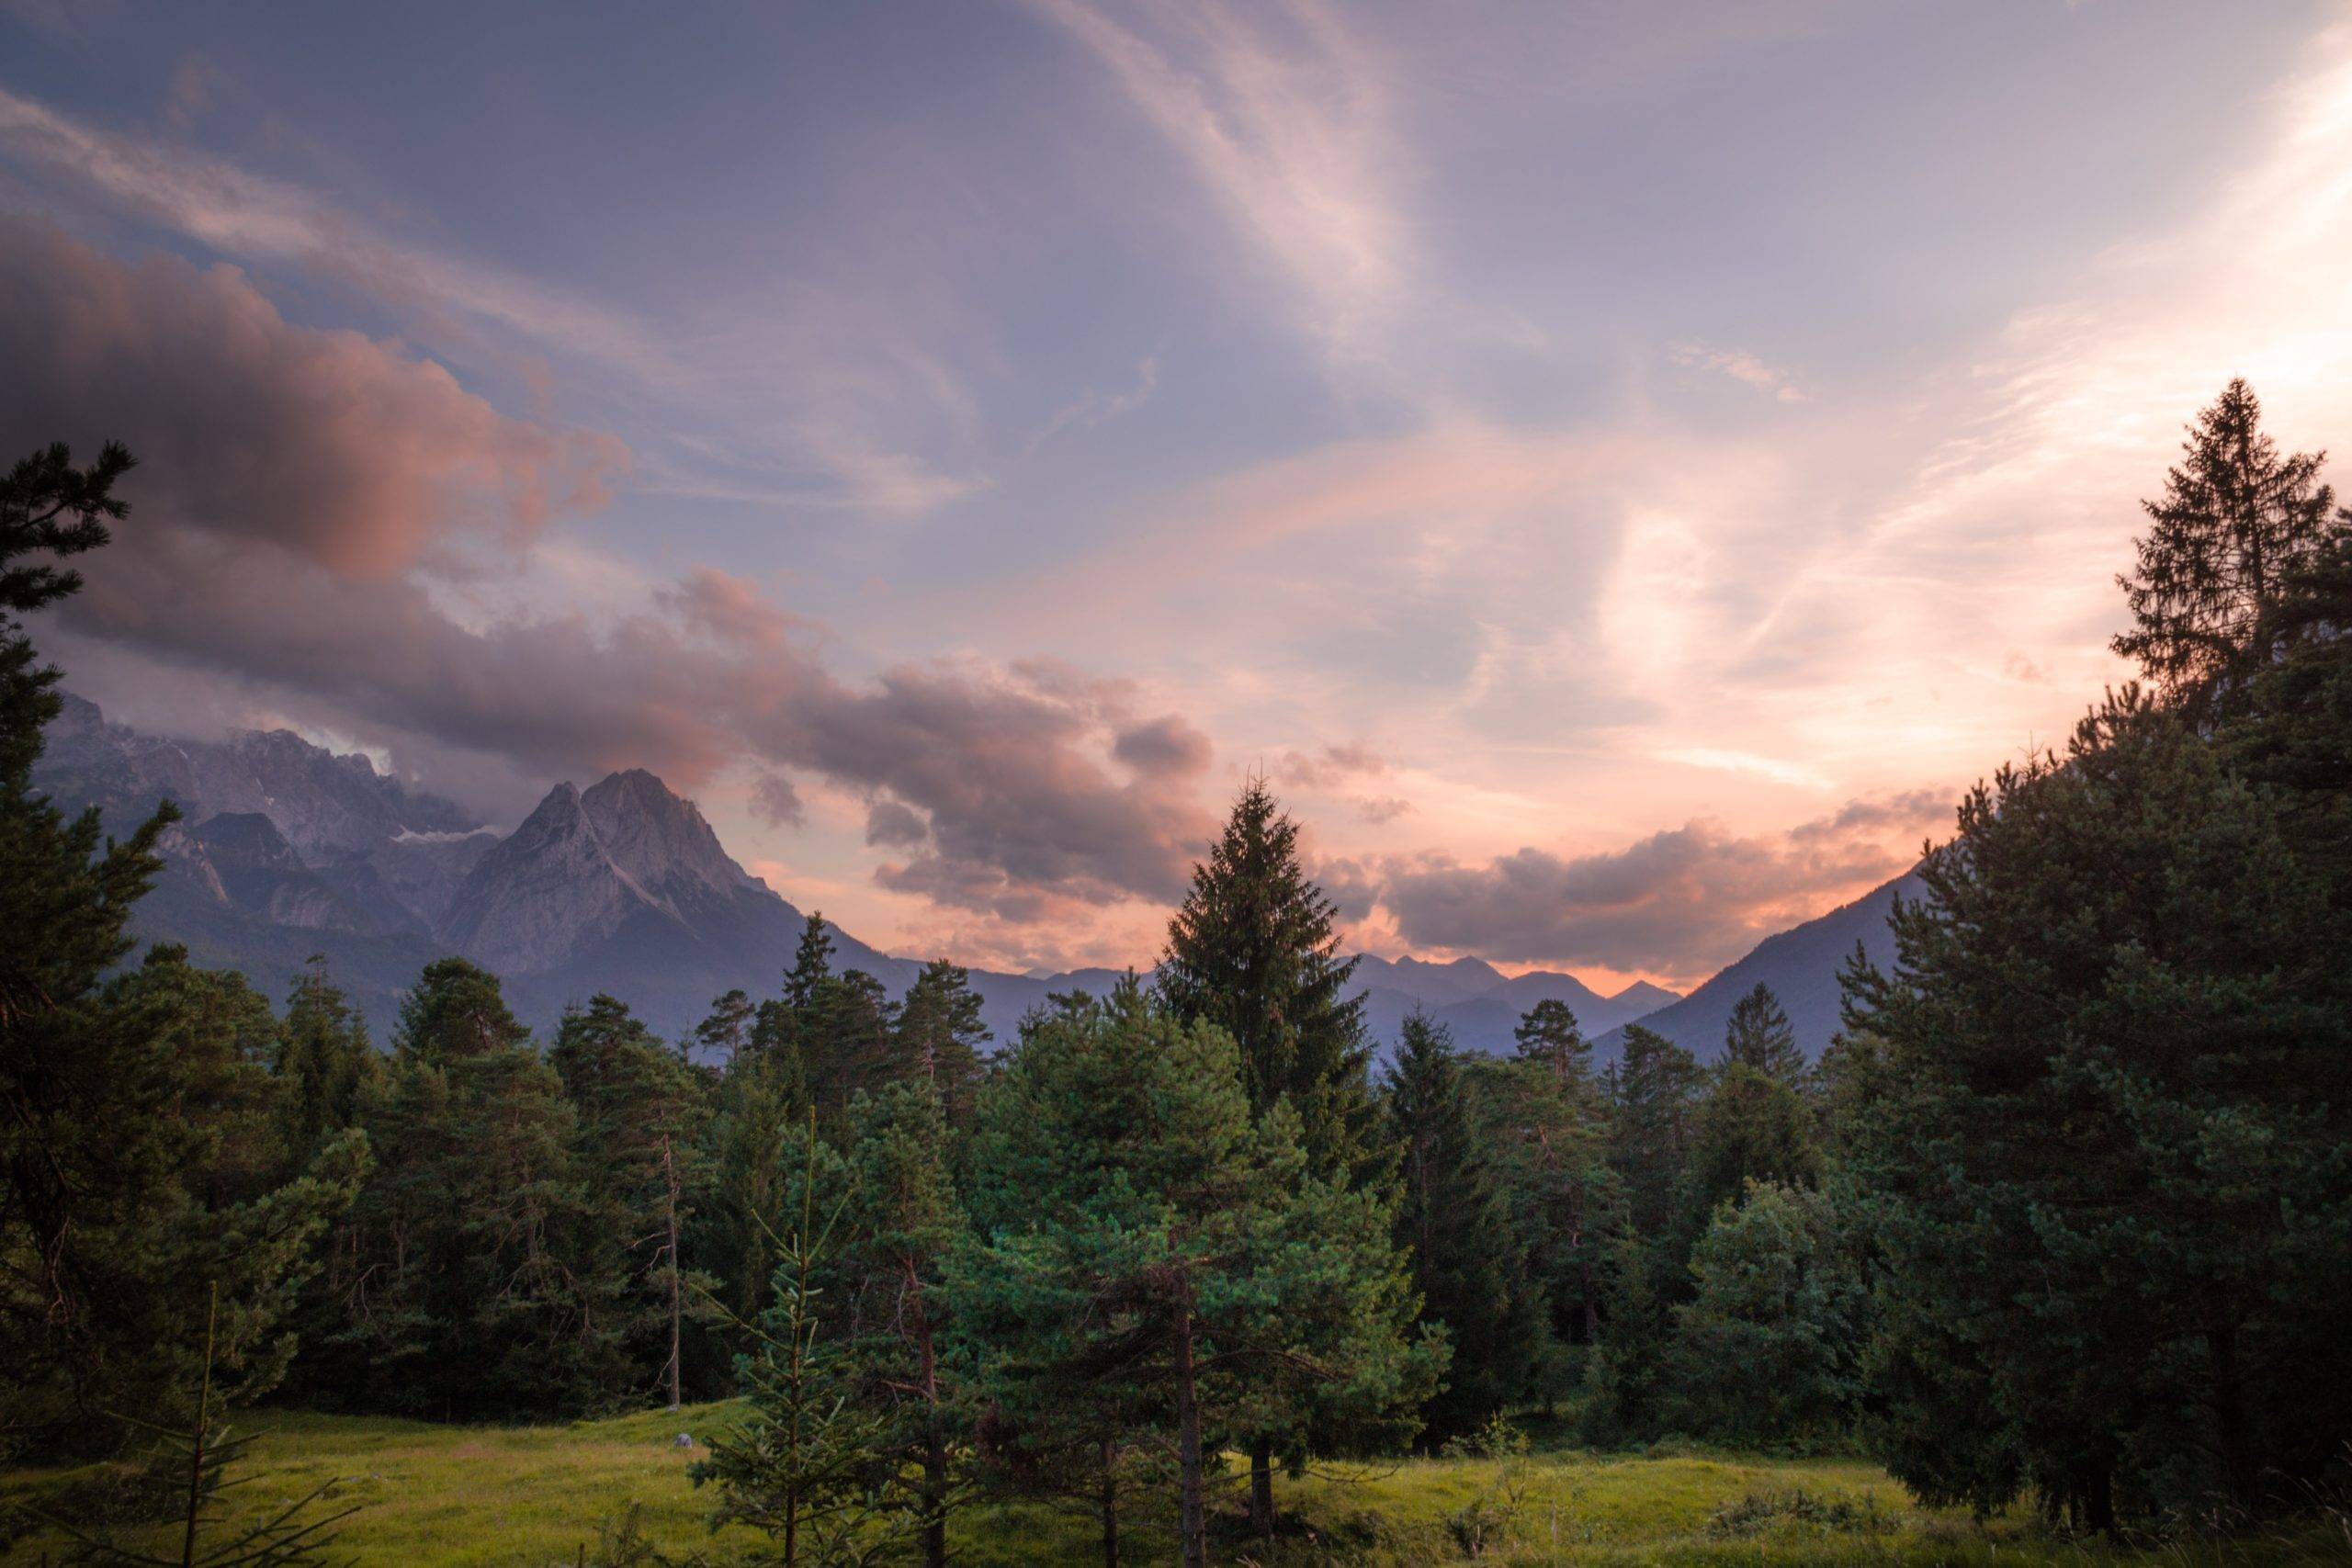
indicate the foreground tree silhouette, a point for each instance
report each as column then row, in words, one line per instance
column 136, row 1148
column 2236, row 520
column 2134, row 1120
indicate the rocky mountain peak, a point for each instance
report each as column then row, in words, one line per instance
column 660, row 840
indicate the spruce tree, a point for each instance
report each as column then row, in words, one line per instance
column 1760, row 1036
column 1253, row 950
column 141, row 1143
column 2236, row 520
column 901, row 1223
column 1653, row 1092
column 639, row 1114
column 807, row 1465
column 1467, row 1263
column 2114, row 1090
column 1749, row 1127
column 939, row 1038
column 323, row 1060
column 1140, row 1238
column 1768, row 1348
column 1545, row 1141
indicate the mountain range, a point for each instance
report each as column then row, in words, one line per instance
column 286, row 849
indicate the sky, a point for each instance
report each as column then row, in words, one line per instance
column 1620, row 471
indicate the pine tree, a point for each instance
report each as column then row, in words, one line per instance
column 901, row 1223
column 140, row 1142
column 939, row 1037
column 2114, row 1089
column 2236, row 520
column 1253, row 950
column 1653, row 1092
column 724, row 1034
column 1467, row 1263
column 638, row 1115
column 807, row 1465
column 1547, row 1033
column 1760, row 1036
column 1141, row 1241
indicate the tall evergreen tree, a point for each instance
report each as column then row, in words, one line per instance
column 1749, row 1127
column 724, row 1032
column 1653, row 1092
column 140, row 1144
column 903, row 1222
column 1468, row 1265
column 323, row 1060
column 1135, row 1225
column 1253, row 950
column 1547, row 1033
column 2236, row 520
column 807, row 1464
column 638, row 1116
column 2115, row 1093
column 1769, row 1347
column 1760, row 1036
column 472, row 1288
column 939, row 1038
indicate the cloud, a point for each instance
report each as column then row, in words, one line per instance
column 1282, row 116
column 799, row 408
column 887, row 822
column 344, row 451
column 1743, row 368
column 1166, row 745
column 1682, row 902
column 1332, row 767
column 310, row 521
column 776, row 802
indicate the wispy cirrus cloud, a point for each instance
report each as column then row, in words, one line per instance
column 1284, row 115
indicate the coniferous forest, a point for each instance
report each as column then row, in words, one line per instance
column 2062, row 1223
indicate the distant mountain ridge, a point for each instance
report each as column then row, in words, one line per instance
column 288, row 849
column 1801, row 964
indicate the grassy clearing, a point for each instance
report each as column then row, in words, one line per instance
column 529, row 1497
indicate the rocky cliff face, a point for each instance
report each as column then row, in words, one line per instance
column 546, row 891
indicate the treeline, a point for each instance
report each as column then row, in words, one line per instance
column 2063, row 1214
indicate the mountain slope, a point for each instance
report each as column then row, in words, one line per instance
column 1801, row 964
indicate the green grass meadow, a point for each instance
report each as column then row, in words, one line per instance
column 542, row 1495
